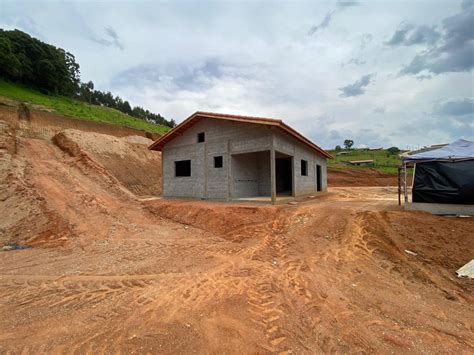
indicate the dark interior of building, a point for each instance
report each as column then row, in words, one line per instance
column 283, row 175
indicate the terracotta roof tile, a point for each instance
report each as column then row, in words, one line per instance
column 159, row 144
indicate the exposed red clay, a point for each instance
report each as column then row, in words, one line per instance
column 111, row 272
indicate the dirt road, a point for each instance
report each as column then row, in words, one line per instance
column 109, row 272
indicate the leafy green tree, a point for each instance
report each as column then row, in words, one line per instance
column 338, row 148
column 29, row 61
column 126, row 108
column 393, row 150
column 348, row 143
column 86, row 91
column 10, row 66
column 74, row 81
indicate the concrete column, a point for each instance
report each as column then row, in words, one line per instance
column 206, row 168
column 272, row 174
column 230, row 177
column 293, row 177
column 162, row 172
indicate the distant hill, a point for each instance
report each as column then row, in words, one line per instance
column 27, row 61
column 66, row 106
column 384, row 160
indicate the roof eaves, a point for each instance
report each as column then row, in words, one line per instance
column 171, row 132
column 250, row 119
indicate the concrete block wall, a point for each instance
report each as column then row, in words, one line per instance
column 264, row 183
column 242, row 174
column 186, row 186
column 241, row 136
column 222, row 138
column 303, row 184
column 245, row 174
column 251, row 174
column 217, row 178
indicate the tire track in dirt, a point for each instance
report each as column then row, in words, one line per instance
column 278, row 272
column 77, row 292
column 267, row 313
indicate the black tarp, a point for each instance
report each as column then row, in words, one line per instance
column 444, row 182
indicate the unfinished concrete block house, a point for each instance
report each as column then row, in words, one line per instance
column 230, row 157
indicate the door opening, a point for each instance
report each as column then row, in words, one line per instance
column 318, row 178
column 283, row 172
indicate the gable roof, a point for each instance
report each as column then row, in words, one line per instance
column 195, row 117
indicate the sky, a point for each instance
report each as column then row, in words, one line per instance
column 382, row 73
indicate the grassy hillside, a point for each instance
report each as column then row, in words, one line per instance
column 384, row 161
column 77, row 109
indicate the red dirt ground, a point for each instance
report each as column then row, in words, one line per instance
column 110, row 272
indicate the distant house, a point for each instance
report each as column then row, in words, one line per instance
column 368, row 162
column 228, row 157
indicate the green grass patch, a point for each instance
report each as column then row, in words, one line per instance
column 383, row 160
column 66, row 106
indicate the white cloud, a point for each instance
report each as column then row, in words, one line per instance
column 257, row 58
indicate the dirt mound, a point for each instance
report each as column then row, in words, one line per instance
column 223, row 219
column 126, row 159
column 446, row 243
column 360, row 177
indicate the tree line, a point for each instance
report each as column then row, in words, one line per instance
column 51, row 70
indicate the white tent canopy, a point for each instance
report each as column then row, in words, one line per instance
column 459, row 150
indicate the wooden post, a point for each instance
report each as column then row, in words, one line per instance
column 272, row 174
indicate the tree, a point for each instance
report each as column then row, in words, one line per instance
column 348, row 143
column 10, row 66
column 74, row 73
column 29, row 61
column 126, row 108
column 338, row 148
column 393, row 150
column 86, row 91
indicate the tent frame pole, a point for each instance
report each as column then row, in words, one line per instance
column 405, row 190
column 399, row 186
